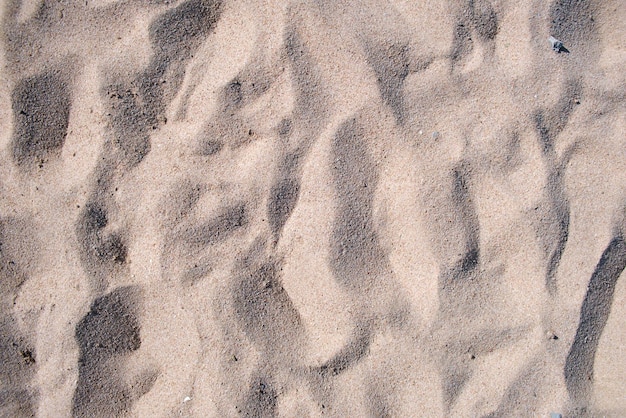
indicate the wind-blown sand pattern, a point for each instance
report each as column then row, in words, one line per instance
column 370, row 208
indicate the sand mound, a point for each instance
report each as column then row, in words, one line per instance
column 312, row 208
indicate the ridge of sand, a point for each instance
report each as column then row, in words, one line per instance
column 248, row 208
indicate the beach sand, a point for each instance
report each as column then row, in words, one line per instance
column 350, row 209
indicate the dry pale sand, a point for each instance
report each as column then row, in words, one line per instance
column 341, row 208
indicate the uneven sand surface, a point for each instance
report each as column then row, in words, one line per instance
column 350, row 209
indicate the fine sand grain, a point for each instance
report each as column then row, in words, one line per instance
column 351, row 209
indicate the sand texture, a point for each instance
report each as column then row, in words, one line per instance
column 321, row 208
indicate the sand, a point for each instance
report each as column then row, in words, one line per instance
column 348, row 209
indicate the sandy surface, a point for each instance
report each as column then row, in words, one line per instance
column 297, row 209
